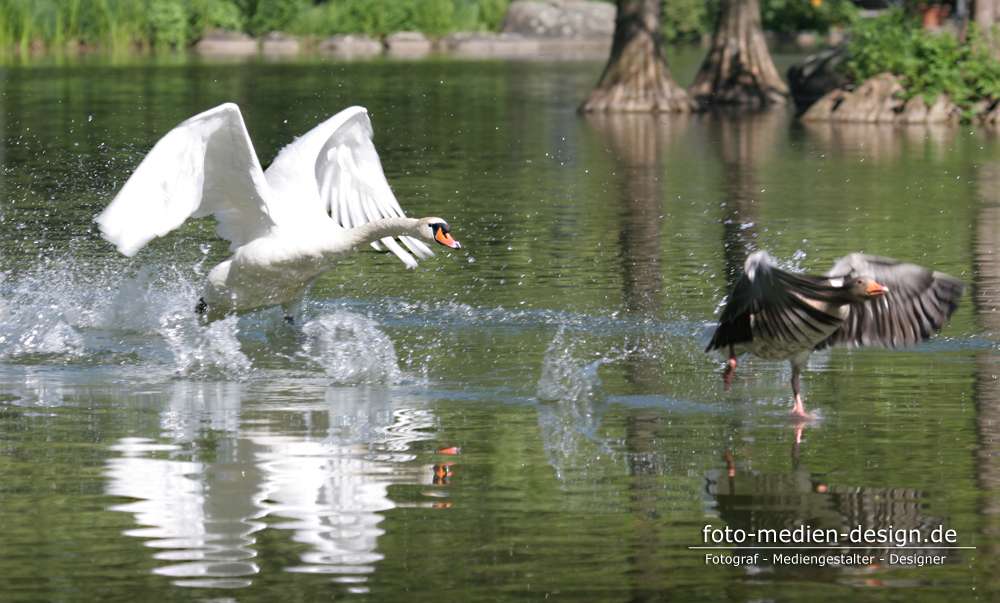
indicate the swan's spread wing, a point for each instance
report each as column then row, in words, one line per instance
column 918, row 304
column 204, row 166
column 334, row 170
column 770, row 304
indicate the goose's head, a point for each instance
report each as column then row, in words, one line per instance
column 435, row 230
column 863, row 288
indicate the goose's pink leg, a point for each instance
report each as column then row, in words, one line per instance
column 727, row 376
column 799, row 410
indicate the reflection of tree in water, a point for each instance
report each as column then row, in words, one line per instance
column 743, row 141
column 636, row 143
column 986, row 304
column 788, row 500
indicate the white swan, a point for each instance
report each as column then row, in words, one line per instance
column 324, row 198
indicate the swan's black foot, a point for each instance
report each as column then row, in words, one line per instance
column 201, row 307
column 289, row 320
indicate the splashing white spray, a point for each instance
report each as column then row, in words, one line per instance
column 565, row 377
column 351, row 349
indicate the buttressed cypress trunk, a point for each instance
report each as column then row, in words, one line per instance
column 738, row 68
column 637, row 78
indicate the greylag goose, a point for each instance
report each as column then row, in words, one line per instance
column 863, row 300
column 323, row 198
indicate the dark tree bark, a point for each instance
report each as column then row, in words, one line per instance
column 637, row 78
column 738, row 69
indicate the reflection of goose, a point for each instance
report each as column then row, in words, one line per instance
column 863, row 300
column 756, row 502
column 324, row 198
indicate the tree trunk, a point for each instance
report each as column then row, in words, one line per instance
column 637, row 77
column 986, row 13
column 987, row 16
column 738, row 68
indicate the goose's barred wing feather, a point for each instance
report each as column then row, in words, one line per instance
column 771, row 301
column 918, row 304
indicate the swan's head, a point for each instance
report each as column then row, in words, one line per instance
column 435, row 230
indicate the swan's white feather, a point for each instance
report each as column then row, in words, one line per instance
column 323, row 198
column 204, row 166
column 207, row 165
column 347, row 181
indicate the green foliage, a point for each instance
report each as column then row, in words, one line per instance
column 112, row 23
column 930, row 64
column 10, row 14
column 883, row 44
column 168, row 23
column 491, row 12
column 273, row 15
column 687, row 20
column 214, row 14
column 434, row 17
column 177, row 23
column 382, row 17
column 790, row 16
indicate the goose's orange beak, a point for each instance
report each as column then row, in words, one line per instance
column 445, row 239
column 875, row 289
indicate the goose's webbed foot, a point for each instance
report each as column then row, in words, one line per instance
column 201, row 307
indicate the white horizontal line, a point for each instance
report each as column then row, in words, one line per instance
column 834, row 547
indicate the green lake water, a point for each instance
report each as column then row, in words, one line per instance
column 530, row 417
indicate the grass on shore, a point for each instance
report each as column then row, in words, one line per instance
column 178, row 23
column 122, row 24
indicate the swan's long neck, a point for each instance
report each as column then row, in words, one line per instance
column 380, row 229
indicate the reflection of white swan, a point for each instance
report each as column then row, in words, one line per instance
column 324, row 198
column 335, row 489
column 201, row 513
column 175, row 505
column 331, row 481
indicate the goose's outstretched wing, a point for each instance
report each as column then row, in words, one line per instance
column 334, row 170
column 918, row 304
column 204, row 166
column 770, row 303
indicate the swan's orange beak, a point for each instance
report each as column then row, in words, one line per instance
column 875, row 289
column 445, row 239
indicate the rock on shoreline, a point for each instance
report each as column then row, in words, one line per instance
column 562, row 19
column 877, row 100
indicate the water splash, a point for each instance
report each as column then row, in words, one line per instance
column 573, row 404
column 566, row 377
column 85, row 315
column 200, row 350
column 351, row 349
column 41, row 331
column 38, row 315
